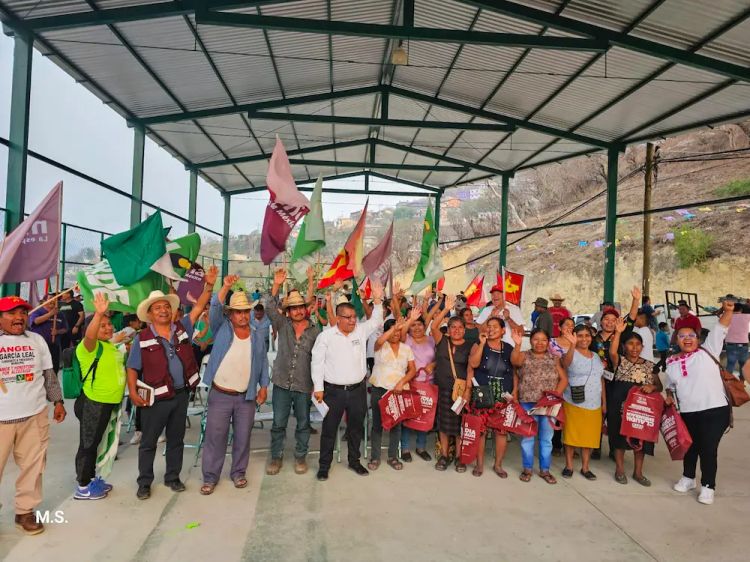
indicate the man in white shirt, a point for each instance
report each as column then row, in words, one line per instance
column 338, row 372
column 501, row 309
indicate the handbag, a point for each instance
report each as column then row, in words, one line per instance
column 472, row 429
column 482, row 397
column 428, row 398
column 675, row 433
column 395, row 408
column 459, row 385
column 551, row 406
column 733, row 387
column 641, row 417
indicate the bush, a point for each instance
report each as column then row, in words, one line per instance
column 693, row 246
column 734, row 188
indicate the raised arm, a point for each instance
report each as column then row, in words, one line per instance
column 413, row 315
column 330, row 310
column 310, row 285
column 437, row 335
column 381, row 341
column 365, row 305
column 372, row 324
column 101, row 304
column 517, row 357
column 567, row 357
column 715, row 339
column 635, row 293
column 209, row 280
column 614, row 344
column 475, row 357
column 270, row 302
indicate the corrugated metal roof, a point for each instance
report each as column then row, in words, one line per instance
column 616, row 96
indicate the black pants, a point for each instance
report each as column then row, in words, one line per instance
column 557, row 443
column 93, row 417
column 354, row 403
column 55, row 351
column 169, row 414
column 394, row 435
column 706, row 428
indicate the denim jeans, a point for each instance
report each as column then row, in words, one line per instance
column 406, row 434
column 736, row 356
column 283, row 401
column 545, row 442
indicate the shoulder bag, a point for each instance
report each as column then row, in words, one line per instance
column 459, row 385
column 734, row 387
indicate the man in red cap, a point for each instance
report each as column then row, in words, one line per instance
column 27, row 383
column 510, row 313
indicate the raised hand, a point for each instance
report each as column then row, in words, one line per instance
column 230, row 280
column 101, row 303
column 279, row 276
column 210, row 275
column 620, row 325
column 450, row 300
column 377, row 290
column 482, row 338
column 415, row 313
column 635, row 292
column 337, row 285
column 517, row 335
column 310, row 272
column 399, row 325
column 570, row 337
column 727, row 306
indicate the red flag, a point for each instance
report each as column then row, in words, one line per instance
column 377, row 262
column 337, row 272
column 345, row 265
column 473, row 292
column 367, row 287
column 286, row 207
column 440, row 284
column 512, row 287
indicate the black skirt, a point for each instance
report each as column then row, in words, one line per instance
column 448, row 422
column 617, row 392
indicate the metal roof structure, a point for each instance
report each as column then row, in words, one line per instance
column 491, row 87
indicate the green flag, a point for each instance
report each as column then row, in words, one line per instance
column 312, row 236
column 430, row 266
column 356, row 301
column 184, row 251
column 135, row 252
column 98, row 278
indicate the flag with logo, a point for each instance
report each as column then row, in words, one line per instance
column 430, row 267
column 512, row 284
column 344, row 265
column 473, row 292
column 285, row 207
column 311, row 237
column 136, row 252
column 31, row 252
column 377, row 262
column 99, row 278
column 183, row 252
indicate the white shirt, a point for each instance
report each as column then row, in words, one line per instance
column 648, row 342
column 23, row 360
column 340, row 358
column 515, row 315
column 234, row 370
column 390, row 368
column 696, row 379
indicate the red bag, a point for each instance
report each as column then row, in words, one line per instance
column 550, row 405
column 395, row 408
column 675, row 433
column 496, row 416
column 428, row 396
column 472, row 428
column 641, row 417
column 513, row 418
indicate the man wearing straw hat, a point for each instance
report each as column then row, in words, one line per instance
column 292, row 382
column 558, row 313
column 27, row 383
column 162, row 358
column 237, row 367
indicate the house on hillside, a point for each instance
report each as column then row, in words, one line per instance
column 344, row 223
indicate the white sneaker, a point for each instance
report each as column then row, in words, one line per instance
column 706, row 496
column 162, row 438
column 136, row 438
column 684, row 485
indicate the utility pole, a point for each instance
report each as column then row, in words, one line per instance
column 647, row 218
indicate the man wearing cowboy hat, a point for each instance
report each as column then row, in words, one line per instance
column 558, row 313
column 162, row 357
column 292, row 383
column 499, row 308
column 27, row 383
column 238, row 365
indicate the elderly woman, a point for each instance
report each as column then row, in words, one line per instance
column 422, row 345
column 490, row 359
column 537, row 372
column 584, row 399
column 630, row 370
column 694, row 382
column 394, row 368
column 451, row 364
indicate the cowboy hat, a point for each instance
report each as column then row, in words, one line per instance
column 556, row 297
column 541, row 302
column 294, row 298
column 239, row 301
column 155, row 296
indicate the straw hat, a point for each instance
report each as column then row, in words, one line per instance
column 155, row 296
column 556, row 297
column 239, row 301
column 294, row 298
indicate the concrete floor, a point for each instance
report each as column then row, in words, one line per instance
column 417, row 513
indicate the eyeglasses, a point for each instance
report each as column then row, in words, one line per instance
column 350, row 317
column 688, row 336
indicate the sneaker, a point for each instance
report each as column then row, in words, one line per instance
column 685, row 484
column 136, row 438
column 706, row 496
column 107, row 486
column 93, row 491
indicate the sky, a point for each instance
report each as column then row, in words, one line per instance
column 72, row 126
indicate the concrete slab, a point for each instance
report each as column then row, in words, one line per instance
column 417, row 513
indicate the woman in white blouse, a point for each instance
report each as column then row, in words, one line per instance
column 695, row 384
column 394, row 368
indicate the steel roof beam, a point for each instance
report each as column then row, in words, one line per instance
column 624, row 40
column 361, row 29
column 380, row 122
column 429, row 191
column 405, row 182
column 438, row 156
column 380, row 165
column 727, row 118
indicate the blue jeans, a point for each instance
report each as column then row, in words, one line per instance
column 545, row 443
column 406, row 438
column 736, row 355
column 283, row 401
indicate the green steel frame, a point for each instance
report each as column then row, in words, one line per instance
column 504, row 222
column 381, row 165
column 225, row 236
column 193, row 200
column 610, row 226
column 139, row 145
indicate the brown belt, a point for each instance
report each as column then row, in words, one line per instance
column 217, row 388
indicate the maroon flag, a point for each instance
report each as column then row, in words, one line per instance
column 286, row 207
column 32, row 250
column 377, row 263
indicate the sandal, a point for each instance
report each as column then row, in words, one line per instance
column 500, row 472
column 621, row 478
column 424, row 455
column 240, row 482
column 460, row 467
column 525, row 476
column 476, row 472
column 588, row 475
column 568, row 472
column 373, row 464
column 406, row 456
column 547, row 477
column 207, row 489
column 442, row 463
column 643, row 481
column 395, row 464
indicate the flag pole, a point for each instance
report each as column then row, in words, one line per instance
column 57, row 296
